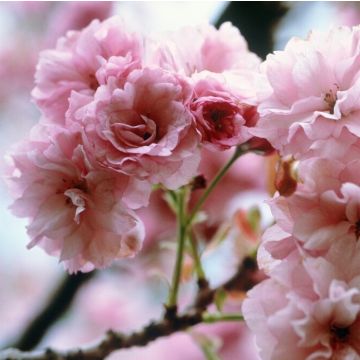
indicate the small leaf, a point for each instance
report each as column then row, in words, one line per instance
column 254, row 218
column 220, row 297
column 248, row 223
column 209, row 345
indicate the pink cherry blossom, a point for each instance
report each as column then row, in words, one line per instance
column 270, row 321
column 314, row 312
column 143, row 128
column 329, row 217
column 78, row 213
column 221, row 118
column 77, row 64
column 312, row 92
column 194, row 49
column 324, row 208
column 327, row 328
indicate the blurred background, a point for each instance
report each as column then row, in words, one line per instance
column 130, row 293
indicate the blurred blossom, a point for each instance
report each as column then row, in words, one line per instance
column 103, row 304
column 41, row 24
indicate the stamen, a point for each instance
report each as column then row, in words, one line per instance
column 330, row 98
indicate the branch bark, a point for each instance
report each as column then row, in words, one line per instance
column 243, row 280
column 57, row 305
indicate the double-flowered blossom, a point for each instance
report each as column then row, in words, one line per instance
column 325, row 207
column 122, row 112
column 223, row 74
column 312, row 93
column 195, row 49
column 309, row 308
column 221, row 118
column 77, row 212
column 143, row 128
column 81, row 61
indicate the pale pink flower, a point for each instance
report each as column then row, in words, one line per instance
column 310, row 307
column 79, row 64
column 221, row 117
column 313, row 92
column 325, row 207
column 143, row 129
column 268, row 313
column 329, row 216
column 327, row 328
column 76, row 212
column 194, row 49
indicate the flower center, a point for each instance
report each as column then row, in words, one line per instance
column 78, row 200
column 146, row 135
column 339, row 334
column 330, row 99
column 221, row 116
column 76, row 197
column 357, row 229
column 93, row 82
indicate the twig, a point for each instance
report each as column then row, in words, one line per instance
column 56, row 307
column 169, row 324
column 239, row 151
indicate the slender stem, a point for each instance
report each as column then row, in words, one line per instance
column 211, row 318
column 181, row 237
column 195, row 253
column 238, row 152
column 183, row 223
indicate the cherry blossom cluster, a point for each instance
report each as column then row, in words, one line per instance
column 120, row 113
column 309, row 307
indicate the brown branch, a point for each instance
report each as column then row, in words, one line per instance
column 57, row 305
column 243, row 280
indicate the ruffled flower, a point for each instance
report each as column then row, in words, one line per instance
column 194, row 49
column 314, row 312
column 220, row 117
column 312, row 93
column 80, row 214
column 81, row 62
column 143, row 129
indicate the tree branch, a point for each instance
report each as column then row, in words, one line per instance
column 57, row 305
column 243, row 280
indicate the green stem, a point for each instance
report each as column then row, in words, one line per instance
column 198, row 267
column 183, row 222
column 238, row 152
column 211, row 318
column 181, row 237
